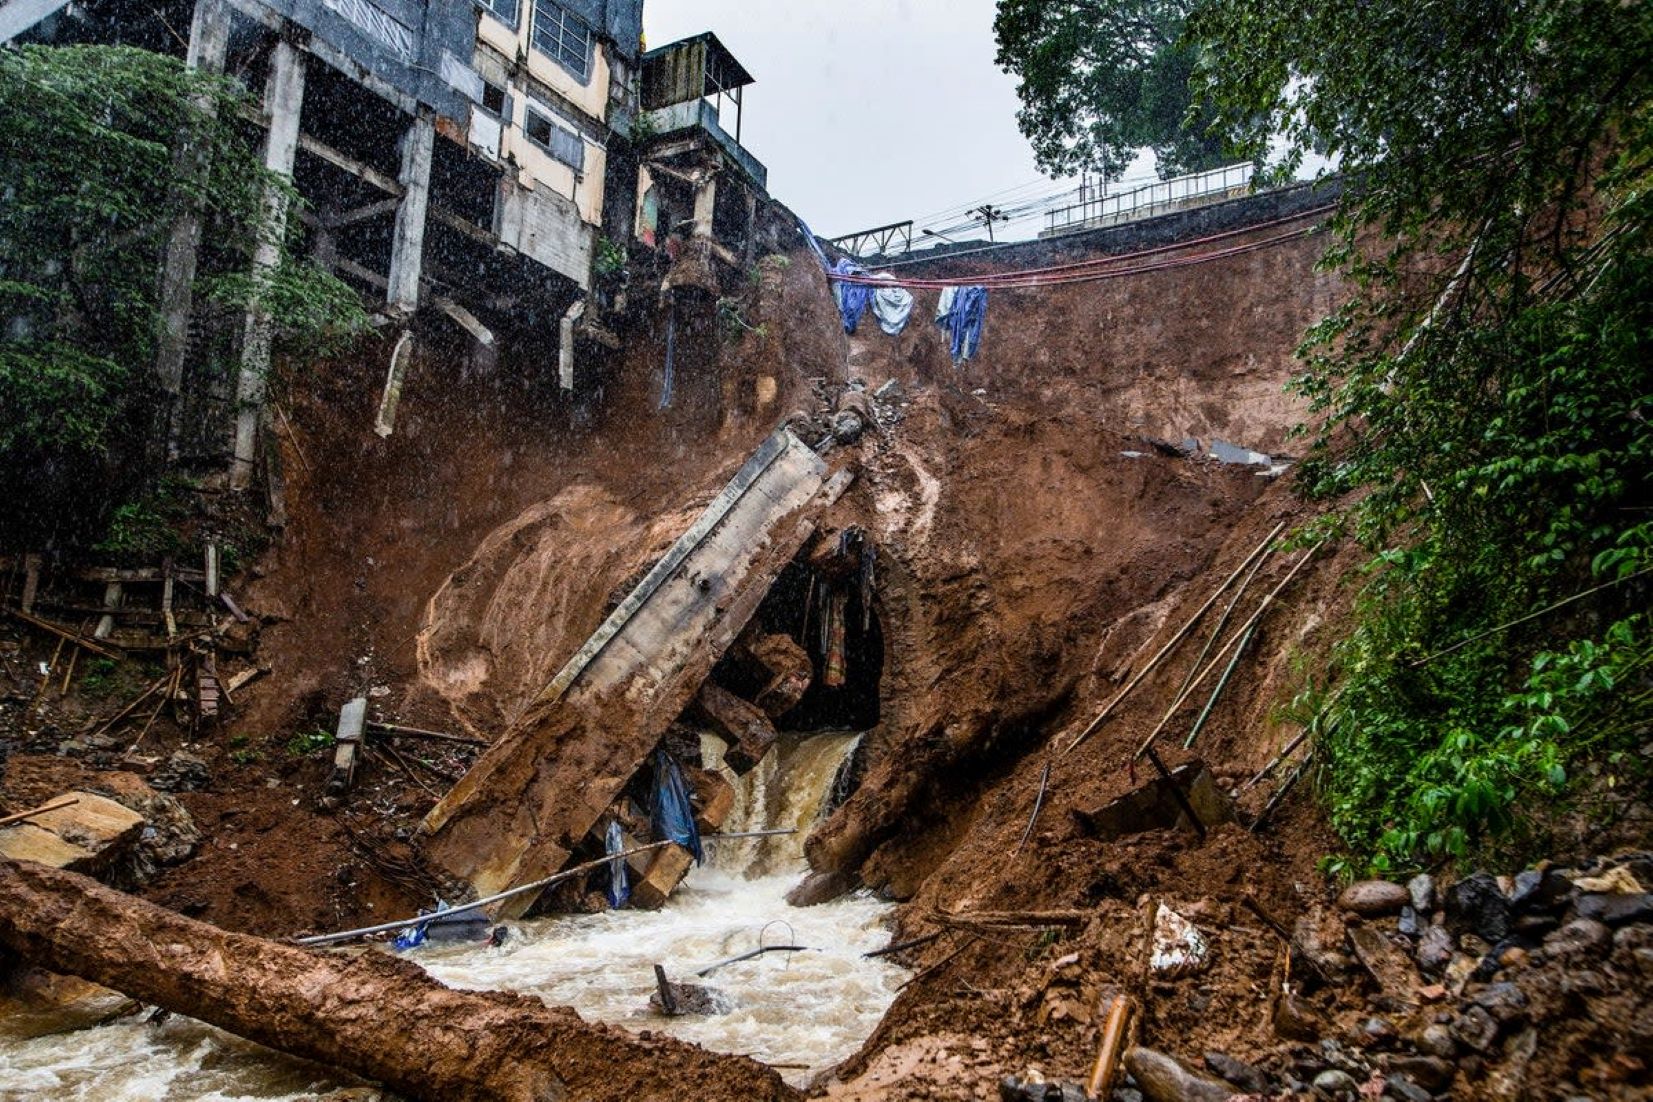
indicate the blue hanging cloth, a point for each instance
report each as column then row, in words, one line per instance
column 619, row 887
column 669, row 809
column 853, row 298
column 964, row 314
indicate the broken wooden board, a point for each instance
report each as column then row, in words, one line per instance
column 516, row 816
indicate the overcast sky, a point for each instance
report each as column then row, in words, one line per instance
column 868, row 111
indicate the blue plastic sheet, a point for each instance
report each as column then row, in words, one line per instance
column 619, row 887
column 669, row 809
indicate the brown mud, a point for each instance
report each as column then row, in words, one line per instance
column 1036, row 546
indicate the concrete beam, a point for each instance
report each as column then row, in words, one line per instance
column 407, row 247
column 209, row 35
column 18, row 16
column 283, row 102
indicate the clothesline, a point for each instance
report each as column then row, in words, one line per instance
column 1100, row 268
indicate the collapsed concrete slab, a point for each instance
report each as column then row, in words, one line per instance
column 517, row 815
column 82, row 832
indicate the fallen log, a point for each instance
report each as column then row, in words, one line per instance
column 371, row 1014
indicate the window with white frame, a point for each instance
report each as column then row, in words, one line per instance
column 563, row 37
column 506, row 11
column 562, row 143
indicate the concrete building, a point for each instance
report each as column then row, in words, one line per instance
column 481, row 159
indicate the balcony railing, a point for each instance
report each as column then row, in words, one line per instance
column 1192, row 190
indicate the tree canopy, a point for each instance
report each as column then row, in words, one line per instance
column 1101, row 79
column 1485, row 398
column 87, row 171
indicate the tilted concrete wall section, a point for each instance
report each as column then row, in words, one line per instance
column 516, row 816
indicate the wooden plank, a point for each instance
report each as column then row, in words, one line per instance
column 73, row 637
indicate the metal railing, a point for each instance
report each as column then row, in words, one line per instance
column 1141, row 202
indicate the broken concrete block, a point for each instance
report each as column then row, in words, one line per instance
column 1225, row 452
column 741, row 724
column 89, row 836
column 1154, row 807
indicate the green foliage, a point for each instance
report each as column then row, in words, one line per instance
column 306, row 743
column 1484, row 400
column 1100, row 79
column 103, row 149
column 149, row 526
column 100, row 678
column 611, row 256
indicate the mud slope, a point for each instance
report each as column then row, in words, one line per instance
column 442, row 570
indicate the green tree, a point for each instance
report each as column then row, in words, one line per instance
column 88, row 193
column 1102, row 79
column 1485, row 398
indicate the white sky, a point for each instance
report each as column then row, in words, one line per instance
column 867, row 111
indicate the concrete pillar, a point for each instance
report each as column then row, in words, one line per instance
column 705, row 205
column 209, row 35
column 565, row 343
column 283, row 100
column 408, row 246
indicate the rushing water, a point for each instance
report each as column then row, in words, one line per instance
column 803, row 1011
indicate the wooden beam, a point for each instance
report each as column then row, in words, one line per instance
column 361, row 214
column 363, row 172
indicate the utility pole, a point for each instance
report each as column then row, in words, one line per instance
column 990, row 214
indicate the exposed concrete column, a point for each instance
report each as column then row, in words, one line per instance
column 705, row 206
column 209, row 35
column 408, row 247
column 283, row 101
column 565, row 343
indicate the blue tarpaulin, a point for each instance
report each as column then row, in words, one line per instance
column 619, row 887
column 669, row 810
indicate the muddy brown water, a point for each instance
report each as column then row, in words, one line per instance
column 804, row 1010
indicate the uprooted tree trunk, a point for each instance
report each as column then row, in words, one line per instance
column 382, row 1018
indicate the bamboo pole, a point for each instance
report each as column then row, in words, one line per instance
column 141, row 697
column 1238, row 634
column 1222, row 623
column 77, row 640
column 1038, row 802
column 8, row 820
column 1222, row 682
column 401, row 924
column 1154, row 662
column 433, row 736
column 1106, row 1069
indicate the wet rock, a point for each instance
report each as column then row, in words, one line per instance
column 1476, row 905
column 1436, row 1040
column 1434, row 949
column 181, row 772
column 1409, row 923
column 1616, row 909
column 1504, row 1001
column 1162, row 1079
column 1405, row 1090
column 1033, row 1088
column 820, row 887
column 1334, row 1083
column 1384, row 961
column 1422, row 890
column 1296, row 1019
column 1373, row 897
column 1432, row 1073
column 1377, row 1033
column 1243, row 1075
column 1526, row 891
column 1476, row 1028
